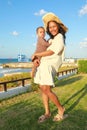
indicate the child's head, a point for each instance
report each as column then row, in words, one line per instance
column 40, row 32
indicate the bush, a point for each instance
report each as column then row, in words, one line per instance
column 18, row 83
column 82, row 66
column 14, row 77
column 34, row 86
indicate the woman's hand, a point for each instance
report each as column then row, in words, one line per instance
column 36, row 62
column 42, row 54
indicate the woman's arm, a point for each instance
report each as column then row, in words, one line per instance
column 43, row 54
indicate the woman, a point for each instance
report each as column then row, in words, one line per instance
column 51, row 60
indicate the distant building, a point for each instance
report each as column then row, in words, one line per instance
column 22, row 58
column 70, row 60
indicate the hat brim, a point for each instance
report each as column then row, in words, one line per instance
column 52, row 17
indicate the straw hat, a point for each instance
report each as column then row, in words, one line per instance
column 52, row 17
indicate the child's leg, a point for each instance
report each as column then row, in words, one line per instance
column 33, row 71
column 36, row 63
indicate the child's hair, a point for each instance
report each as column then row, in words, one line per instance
column 39, row 28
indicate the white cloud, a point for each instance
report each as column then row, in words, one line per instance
column 84, row 43
column 15, row 33
column 40, row 13
column 83, row 10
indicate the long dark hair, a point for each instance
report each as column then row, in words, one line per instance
column 61, row 30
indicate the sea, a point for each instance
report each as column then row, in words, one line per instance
column 4, row 71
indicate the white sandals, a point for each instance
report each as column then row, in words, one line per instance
column 42, row 118
column 59, row 117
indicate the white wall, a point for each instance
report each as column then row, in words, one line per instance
column 14, row 91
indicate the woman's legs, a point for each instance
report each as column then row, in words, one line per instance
column 46, row 103
column 45, row 99
column 47, row 93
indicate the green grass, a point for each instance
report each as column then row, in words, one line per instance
column 22, row 112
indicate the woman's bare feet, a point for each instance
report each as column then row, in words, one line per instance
column 61, row 111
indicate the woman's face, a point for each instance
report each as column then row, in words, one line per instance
column 53, row 28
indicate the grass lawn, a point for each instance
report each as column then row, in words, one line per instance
column 22, row 112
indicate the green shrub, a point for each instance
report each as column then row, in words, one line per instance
column 18, row 76
column 82, row 66
column 14, row 77
column 34, row 86
column 11, row 85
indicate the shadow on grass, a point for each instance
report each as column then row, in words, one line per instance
column 23, row 115
column 76, row 121
column 24, row 111
column 67, row 81
column 82, row 93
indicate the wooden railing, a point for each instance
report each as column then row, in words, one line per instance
column 65, row 72
column 23, row 79
column 6, row 82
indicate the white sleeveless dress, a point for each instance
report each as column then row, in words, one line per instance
column 49, row 65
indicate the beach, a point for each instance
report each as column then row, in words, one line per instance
column 9, row 71
column 18, row 65
column 11, row 66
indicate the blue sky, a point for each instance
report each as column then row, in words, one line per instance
column 20, row 18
